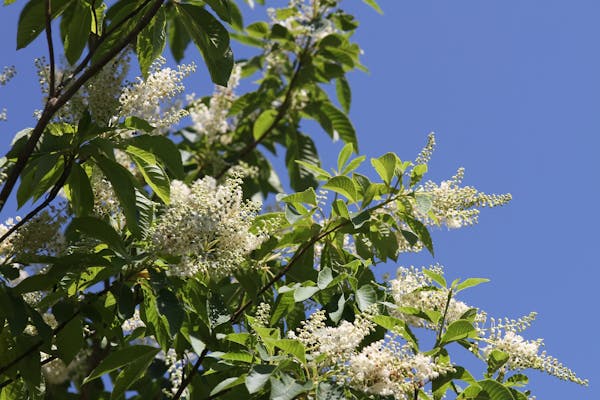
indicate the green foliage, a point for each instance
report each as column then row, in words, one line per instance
column 121, row 306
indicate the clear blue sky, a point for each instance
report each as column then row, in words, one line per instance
column 512, row 90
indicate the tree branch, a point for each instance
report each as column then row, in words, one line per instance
column 51, row 196
column 188, row 379
column 103, row 38
column 52, row 80
column 54, row 104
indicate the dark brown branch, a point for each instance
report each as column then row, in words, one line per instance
column 188, row 379
column 52, row 80
column 105, row 36
column 51, row 196
column 238, row 313
column 54, row 104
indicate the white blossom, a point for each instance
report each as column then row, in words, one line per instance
column 154, row 99
column 413, row 288
column 212, row 119
column 207, row 227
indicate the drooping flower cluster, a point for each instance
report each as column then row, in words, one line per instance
column 99, row 95
column 6, row 75
column 454, row 205
column 412, row 288
column 503, row 335
column 154, row 99
column 211, row 119
column 207, row 227
column 387, row 367
column 42, row 235
column 336, row 343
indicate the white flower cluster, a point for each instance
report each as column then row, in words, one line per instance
column 384, row 368
column 104, row 89
column 387, row 368
column 522, row 354
column 412, row 288
column 100, row 95
column 456, row 206
column 336, row 343
column 154, row 99
column 175, row 371
column 212, row 119
column 42, row 235
column 305, row 19
column 207, row 227
column 7, row 74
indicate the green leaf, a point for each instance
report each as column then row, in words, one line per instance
column 287, row 388
column 471, row 282
column 151, row 41
column 171, row 309
column 152, row 172
column 325, row 278
column 97, row 229
column 79, row 191
column 263, row 123
column 304, row 292
column 344, row 93
column 32, row 20
column 120, row 358
column 385, row 167
column 495, row 390
column 421, row 231
column 398, row 326
column 365, row 297
column 308, row 197
column 211, row 38
column 423, row 203
column 164, row 149
column 319, row 172
column 137, row 124
column 353, row 164
column 154, row 319
column 496, row 360
column 227, row 384
column 457, row 330
column 438, row 278
column 344, row 155
column 342, row 185
column 69, row 340
column 130, row 374
column 38, row 176
column 517, row 380
column 121, row 181
column 301, row 153
column 257, row 378
column 374, row 5
column 340, row 123
column 75, row 25
column 417, row 174
column 289, row 346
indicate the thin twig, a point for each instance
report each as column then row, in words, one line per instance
column 188, row 379
column 52, row 80
column 103, row 38
column 51, row 196
column 54, row 104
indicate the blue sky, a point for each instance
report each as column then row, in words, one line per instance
column 512, row 90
